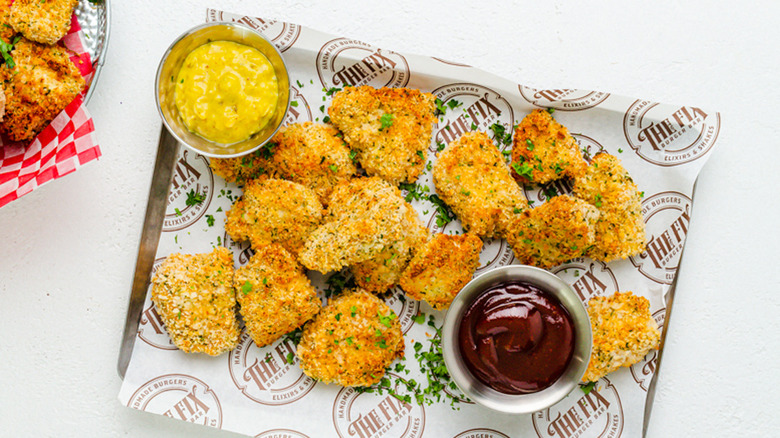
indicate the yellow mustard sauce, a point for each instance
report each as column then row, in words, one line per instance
column 226, row 91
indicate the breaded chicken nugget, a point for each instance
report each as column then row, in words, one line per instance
column 275, row 295
column 441, row 268
column 274, row 210
column 364, row 217
column 44, row 21
column 256, row 165
column 383, row 271
column 543, row 150
column 6, row 31
column 472, row 178
column 43, row 82
column 390, row 128
column 620, row 231
column 312, row 155
column 623, row 333
column 351, row 341
column 196, row 301
column 555, row 232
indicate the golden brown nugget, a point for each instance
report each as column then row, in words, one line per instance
column 364, row 217
column 472, row 178
column 351, row 341
column 620, row 231
column 44, row 21
column 553, row 233
column 196, row 301
column 241, row 170
column 43, row 82
column 313, row 155
column 390, row 128
column 274, row 210
column 544, row 151
column 6, row 31
column 383, row 271
column 441, row 268
column 275, row 295
column 623, row 333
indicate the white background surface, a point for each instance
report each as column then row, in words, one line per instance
column 67, row 250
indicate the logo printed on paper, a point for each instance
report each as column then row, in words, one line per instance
column 282, row 35
column 405, row 308
column 242, row 251
column 644, row 370
column 299, row 111
column 179, row 396
column 479, row 107
column 151, row 328
column 281, row 433
column 667, row 135
column 369, row 415
column 190, row 174
column 667, row 216
column 537, row 195
column 588, row 278
column 598, row 413
column 563, row 99
column 264, row 375
column 495, row 251
column 481, row 433
column 345, row 62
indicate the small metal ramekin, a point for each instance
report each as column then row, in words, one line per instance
column 169, row 68
column 522, row 403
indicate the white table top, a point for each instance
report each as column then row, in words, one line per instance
column 69, row 248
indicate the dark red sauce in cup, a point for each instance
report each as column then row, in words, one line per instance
column 516, row 338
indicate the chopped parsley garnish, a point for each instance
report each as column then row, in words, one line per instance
column 353, row 156
column 294, row 336
column 294, row 103
column 300, row 85
column 444, row 214
column 550, row 110
column 194, row 198
column 549, row 191
column 210, row 220
column 338, row 317
column 524, row 170
column 598, row 201
column 267, row 151
column 352, row 311
column 290, row 358
column 331, row 91
column 333, row 168
column 529, row 144
column 440, row 108
column 440, row 146
column 415, row 191
column 386, row 120
column 336, row 283
column 246, row 288
column 386, row 320
column 452, row 103
column 500, row 134
column 587, row 388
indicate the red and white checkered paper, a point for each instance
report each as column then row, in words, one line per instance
column 62, row 147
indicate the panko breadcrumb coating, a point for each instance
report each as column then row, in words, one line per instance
column 243, row 169
column 383, row 271
column 44, row 21
column 471, row 177
column 275, row 295
column 553, row 233
column 390, row 128
column 195, row 299
column 620, row 230
column 544, row 151
column 274, row 210
column 312, row 155
column 364, row 217
column 43, row 82
column 351, row 341
column 623, row 333
column 6, row 31
column 441, row 268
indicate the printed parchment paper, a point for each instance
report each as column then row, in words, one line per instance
column 662, row 146
column 62, row 147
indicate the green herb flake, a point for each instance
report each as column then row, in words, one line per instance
column 386, row 120
column 246, row 288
